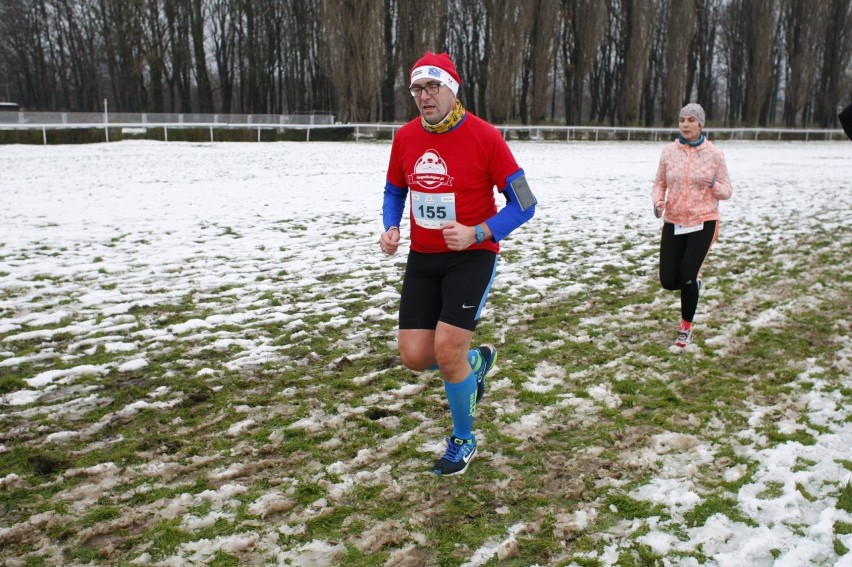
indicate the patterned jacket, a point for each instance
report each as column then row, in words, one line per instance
column 690, row 183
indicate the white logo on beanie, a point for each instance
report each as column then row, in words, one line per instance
column 436, row 73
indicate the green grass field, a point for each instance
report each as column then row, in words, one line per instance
column 261, row 421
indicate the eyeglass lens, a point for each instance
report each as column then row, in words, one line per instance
column 430, row 88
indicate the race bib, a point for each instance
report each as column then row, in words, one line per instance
column 681, row 229
column 432, row 210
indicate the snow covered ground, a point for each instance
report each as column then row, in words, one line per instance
column 93, row 237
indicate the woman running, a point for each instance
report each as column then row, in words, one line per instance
column 691, row 180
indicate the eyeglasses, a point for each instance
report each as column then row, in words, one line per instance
column 430, row 88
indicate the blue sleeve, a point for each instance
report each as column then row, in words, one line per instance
column 393, row 205
column 512, row 215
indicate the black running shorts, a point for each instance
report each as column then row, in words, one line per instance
column 451, row 287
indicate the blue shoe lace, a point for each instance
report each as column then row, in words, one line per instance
column 454, row 451
column 457, row 456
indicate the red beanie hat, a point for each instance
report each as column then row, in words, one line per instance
column 438, row 66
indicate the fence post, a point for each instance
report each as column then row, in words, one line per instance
column 44, row 135
column 106, row 119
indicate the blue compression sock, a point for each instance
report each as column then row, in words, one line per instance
column 462, row 398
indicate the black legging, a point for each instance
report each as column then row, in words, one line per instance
column 680, row 259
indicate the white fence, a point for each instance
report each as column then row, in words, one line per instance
column 139, row 123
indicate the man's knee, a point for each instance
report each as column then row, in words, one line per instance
column 414, row 357
column 417, row 348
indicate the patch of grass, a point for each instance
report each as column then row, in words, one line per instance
column 11, row 382
column 630, row 508
column 844, row 499
column 771, row 491
column 99, row 514
column 165, row 536
column 712, row 505
column 799, row 436
column 222, row 559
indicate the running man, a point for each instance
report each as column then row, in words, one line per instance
column 445, row 164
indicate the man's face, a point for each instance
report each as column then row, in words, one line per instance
column 434, row 107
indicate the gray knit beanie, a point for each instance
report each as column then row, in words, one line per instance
column 693, row 109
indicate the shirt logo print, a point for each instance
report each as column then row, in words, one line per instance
column 430, row 171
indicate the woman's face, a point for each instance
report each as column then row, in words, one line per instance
column 690, row 128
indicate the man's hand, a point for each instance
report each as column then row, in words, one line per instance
column 389, row 240
column 658, row 211
column 458, row 236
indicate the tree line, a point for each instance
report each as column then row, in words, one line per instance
column 617, row 62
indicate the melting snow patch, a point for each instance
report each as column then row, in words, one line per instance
column 20, row 398
column 545, row 378
column 133, row 365
column 50, row 376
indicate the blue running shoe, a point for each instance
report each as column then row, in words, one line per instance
column 457, row 457
column 484, row 363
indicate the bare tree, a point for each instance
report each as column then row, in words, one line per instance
column 197, row 18
column 603, row 79
column 179, row 75
column 653, row 91
column 760, row 19
column 623, row 60
column 154, row 39
column 701, row 77
column 584, row 28
column 391, row 59
column 505, row 58
column 24, row 29
column 803, row 28
column 353, row 54
column 309, row 86
column 681, row 29
column 638, row 17
column 733, row 39
column 468, row 40
column 543, row 25
column 834, row 62
column 121, row 30
column 78, row 47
